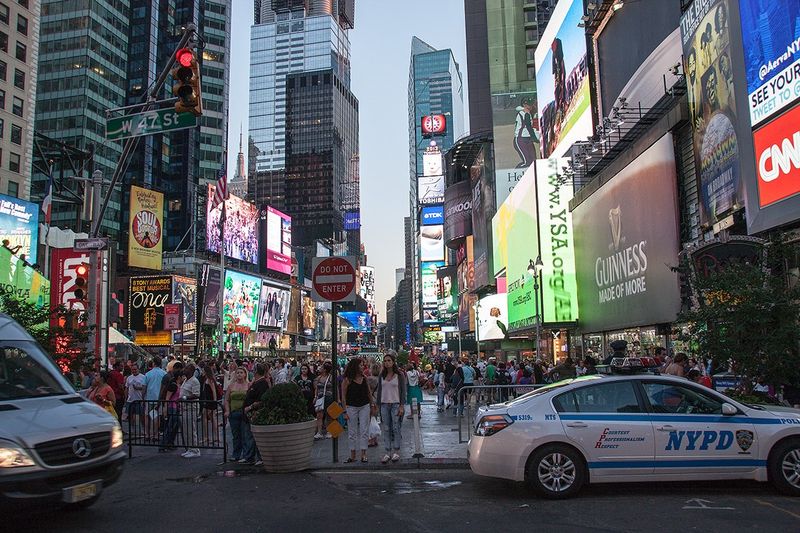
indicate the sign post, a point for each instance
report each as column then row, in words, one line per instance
column 148, row 123
column 334, row 280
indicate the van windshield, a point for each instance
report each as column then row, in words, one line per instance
column 22, row 375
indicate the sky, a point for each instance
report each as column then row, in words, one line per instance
column 380, row 50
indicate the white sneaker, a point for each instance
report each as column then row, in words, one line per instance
column 186, row 453
column 191, row 454
column 395, row 458
column 328, row 436
column 385, row 459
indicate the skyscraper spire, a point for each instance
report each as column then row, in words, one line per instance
column 240, row 138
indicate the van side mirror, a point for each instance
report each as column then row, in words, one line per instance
column 728, row 409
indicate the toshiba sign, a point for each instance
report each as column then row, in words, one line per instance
column 778, row 158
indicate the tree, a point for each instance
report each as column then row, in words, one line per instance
column 34, row 319
column 747, row 313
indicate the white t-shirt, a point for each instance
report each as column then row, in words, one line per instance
column 191, row 388
column 413, row 378
column 136, row 386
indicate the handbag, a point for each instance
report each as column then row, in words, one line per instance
column 319, row 403
column 110, row 408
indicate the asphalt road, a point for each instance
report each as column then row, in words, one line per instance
column 200, row 497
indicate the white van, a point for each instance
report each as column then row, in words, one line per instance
column 54, row 445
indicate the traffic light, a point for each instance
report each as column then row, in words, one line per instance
column 187, row 83
column 81, row 281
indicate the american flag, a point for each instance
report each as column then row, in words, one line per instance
column 221, row 189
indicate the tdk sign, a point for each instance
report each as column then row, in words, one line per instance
column 433, row 215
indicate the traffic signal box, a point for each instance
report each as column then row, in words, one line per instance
column 187, row 83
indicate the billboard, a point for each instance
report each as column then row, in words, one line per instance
column 562, row 81
column 466, row 268
column 777, row 147
column 184, row 291
column 147, row 296
column 368, row 287
column 771, row 40
column 457, row 212
column 279, row 241
column 626, row 241
column 19, row 225
column 356, row 321
column 211, row 281
column 556, row 244
column 273, row 306
column 63, row 265
column 466, row 311
column 22, row 282
column 706, row 39
column 433, row 125
column 432, row 162
column 493, row 317
column 483, row 209
column 432, row 215
column 309, row 315
column 145, row 228
column 240, row 302
column 430, row 190
column 352, row 220
column 431, row 243
column 430, row 283
column 241, row 228
column 516, row 129
column 447, row 293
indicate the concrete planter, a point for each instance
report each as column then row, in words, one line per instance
column 286, row 447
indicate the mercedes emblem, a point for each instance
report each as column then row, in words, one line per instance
column 81, row 448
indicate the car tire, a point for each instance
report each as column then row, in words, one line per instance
column 85, row 504
column 556, row 471
column 784, row 467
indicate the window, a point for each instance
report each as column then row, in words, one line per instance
column 4, row 41
column 3, row 13
column 22, row 25
column 13, row 189
column 2, row 99
column 23, row 3
column 13, row 162
column 22, row 51
column 615, row 397
column 3, row 69
column 19, row 79
column 16, row 106
column 16, row 134
column 677, row 399
column 2, row 128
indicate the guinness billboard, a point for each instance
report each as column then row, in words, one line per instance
column 626, row 241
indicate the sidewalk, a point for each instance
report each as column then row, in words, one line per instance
column 439, row 435
column 438, row 431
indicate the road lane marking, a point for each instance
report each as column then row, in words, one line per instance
column 776, row 507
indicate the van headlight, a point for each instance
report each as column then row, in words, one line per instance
column 116, row 437
column 12, row 455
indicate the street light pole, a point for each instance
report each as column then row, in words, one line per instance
column 535, row 269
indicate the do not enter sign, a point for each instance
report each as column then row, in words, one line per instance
column 334, row 279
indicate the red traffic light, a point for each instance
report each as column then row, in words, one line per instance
column 81, row 270
column 184, row 56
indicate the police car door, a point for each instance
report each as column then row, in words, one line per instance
column 693, row 436
column 609, row 424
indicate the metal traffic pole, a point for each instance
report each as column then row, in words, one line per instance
column 334, row 376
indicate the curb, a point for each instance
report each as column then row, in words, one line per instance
column 425, row 463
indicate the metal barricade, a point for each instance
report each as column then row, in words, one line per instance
column 189, row 424
column 486, row 395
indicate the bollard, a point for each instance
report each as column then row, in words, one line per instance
column 419, row 452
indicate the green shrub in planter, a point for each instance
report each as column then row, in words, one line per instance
column 282, row 404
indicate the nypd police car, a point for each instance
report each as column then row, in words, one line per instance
column 633, row 427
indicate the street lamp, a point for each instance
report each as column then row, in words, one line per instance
column 534, row 269
column 477, row 307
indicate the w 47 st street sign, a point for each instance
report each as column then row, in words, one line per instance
column 148, row 123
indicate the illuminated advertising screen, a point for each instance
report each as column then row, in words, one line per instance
column 145, row 228
column 771, row 38
column 433, row 335
column 432, row 215
column 493, row 317
column 19, row 225
column 430, row 190
column 273, row 306
column 626, row 244
column 356, row 321
column 368, row 287
column 466, row 268
column 279, row 241
column 240, row 301
column 432, row 162
column 352, row 220
column 147, row 296
column 457, row 212
column 184, row 292
column 557, row 241
column 430, row 283
column 309, row 315
column 431, row 243
column 433, row 125
column 562, row 81
column 241, row 228
column 447, row 293
column 706, row 39
column 778, row 166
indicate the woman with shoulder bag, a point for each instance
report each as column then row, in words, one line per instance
column 323, row 394
column 358, row 404
column 391, row 397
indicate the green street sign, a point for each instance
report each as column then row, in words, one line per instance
column 148, row 123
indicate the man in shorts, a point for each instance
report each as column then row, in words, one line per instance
column 135, row 388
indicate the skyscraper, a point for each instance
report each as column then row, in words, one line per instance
column 238, row 183
column 77, row 86
column 308, row 171
column 19, row 54
column 434, row 88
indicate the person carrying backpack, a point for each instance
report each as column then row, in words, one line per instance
column 503, row 378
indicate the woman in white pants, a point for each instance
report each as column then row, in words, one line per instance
column 358, row 404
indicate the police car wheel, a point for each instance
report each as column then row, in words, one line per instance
column 784, row 467
column 556, row 471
